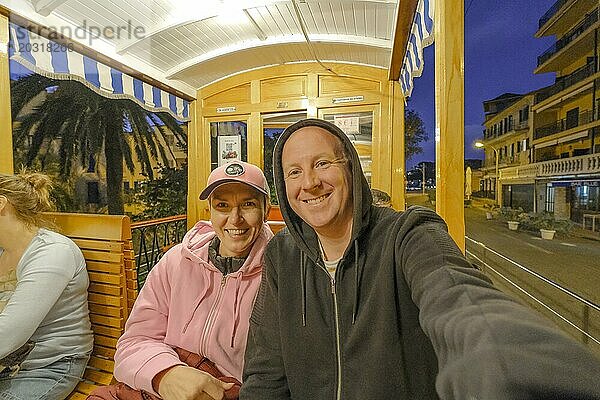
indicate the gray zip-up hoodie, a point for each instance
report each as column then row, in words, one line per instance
column 407, row 317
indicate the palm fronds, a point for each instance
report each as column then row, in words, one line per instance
column 87, row 125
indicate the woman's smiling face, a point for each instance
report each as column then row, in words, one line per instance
column 237, row 213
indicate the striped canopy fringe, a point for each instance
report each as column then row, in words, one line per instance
column 50, row 59
column 421, row 36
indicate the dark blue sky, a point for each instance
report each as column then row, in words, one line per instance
column 500, row 56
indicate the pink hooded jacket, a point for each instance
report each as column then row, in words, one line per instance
column 187, row 302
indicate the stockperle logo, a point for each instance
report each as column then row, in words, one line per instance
column 234, row 169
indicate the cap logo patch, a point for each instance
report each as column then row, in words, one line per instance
column 234, row 169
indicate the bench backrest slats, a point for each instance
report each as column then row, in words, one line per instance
column 105, row 241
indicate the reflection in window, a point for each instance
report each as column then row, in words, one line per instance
column 273, row 126
column 358, row 126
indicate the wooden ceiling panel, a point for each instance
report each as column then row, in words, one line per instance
column 271, row 22
column 356, row 31
column 230, row 64
column 359, row 19
column 289, row 16
column 371, row 20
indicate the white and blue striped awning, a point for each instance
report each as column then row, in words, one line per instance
column 47, row 58
column 421, row 36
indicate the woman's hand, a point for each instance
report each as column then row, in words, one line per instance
column 187, row 383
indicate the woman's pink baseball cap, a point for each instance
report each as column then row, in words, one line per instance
column 236, row 171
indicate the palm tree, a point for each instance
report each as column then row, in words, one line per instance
column 87, row 125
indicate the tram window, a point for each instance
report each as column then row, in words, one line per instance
column 358, row 126
column 273, row 126
column 228, row 142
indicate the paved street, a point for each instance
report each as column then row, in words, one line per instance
column 571, row 262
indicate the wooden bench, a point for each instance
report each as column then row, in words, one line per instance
column 105, row 241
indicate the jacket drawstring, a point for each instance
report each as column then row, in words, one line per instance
column 236, row 307
column 303, row 284
column 356, row 276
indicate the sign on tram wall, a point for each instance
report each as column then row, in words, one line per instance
column 349, row 99
column 225, row 109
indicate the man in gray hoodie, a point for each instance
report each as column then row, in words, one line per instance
column 363, row 302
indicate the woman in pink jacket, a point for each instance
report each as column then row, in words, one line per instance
column 200, row 294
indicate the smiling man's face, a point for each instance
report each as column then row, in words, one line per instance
column 317, row 180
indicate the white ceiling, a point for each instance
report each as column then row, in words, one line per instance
column 190, row 44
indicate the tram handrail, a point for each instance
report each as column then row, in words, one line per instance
column 541, row 277
column 568, row 292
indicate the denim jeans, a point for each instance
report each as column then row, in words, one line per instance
column 52, row 382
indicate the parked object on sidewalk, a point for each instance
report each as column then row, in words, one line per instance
column 592, row 218
column 545, row 221
column 491, row 210
column 513, row 225
column 547, row 234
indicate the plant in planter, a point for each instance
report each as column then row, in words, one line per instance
column 512, row 216
column 491, row 210
column 548, row 225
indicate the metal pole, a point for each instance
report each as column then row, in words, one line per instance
column 423, row 183
column 497, row 194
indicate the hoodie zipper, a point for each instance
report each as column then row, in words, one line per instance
column 211, row 316
column 337, row 333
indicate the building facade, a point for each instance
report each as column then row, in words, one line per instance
column 562, row 172
column 507, row 135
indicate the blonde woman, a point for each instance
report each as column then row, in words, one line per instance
column 43, row 298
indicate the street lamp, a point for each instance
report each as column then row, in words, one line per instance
column 480, row 145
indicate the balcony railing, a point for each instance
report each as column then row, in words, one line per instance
column 580, row 165
column 522, row 125
column 511, row 127
column 550, row 13
column 565, row 82
column 585, row 117
column 151, row 239
column 570, row 166
column 573, row 34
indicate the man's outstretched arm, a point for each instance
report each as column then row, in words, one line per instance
column 488, row 345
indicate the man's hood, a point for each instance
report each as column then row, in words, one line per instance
column 303, row 234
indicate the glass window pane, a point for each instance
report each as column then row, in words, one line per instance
column 359, row 128
column 228, row 142
column 273, row 126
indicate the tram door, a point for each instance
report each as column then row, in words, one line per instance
column 359, row 123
